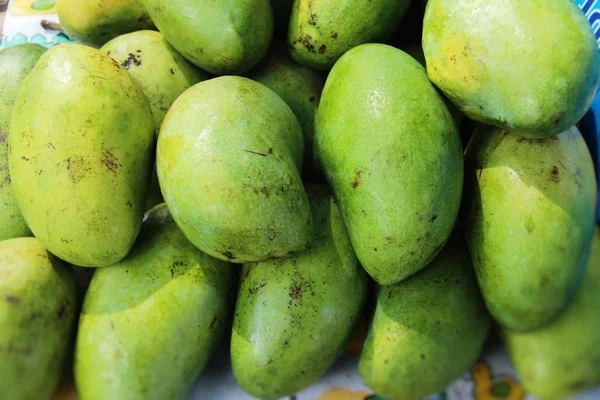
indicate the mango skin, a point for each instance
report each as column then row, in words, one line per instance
column 427, row 330
column 516, row 79
column 562, row 358
column 293, row 316
column 321, row 31
column 528, row 217
column 15, row 64
column 300, row 87
column 81, row 164
column 180, row 296
column 37, row 314
column 223, row 38
column 416, row 51
column 390, row 150
column 161, row 72
column 228, row 161
column 95, row 22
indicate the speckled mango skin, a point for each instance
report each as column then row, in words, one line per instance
column 95, row 22
column 81, row 163
column 150, row 322
column 563, row 358
column 222, row 37
column 228, row 161
column 161, row 72
column 15, row 64
column 293, row 316
column 427, row 330
column 528, row 217
column 390, row 150
column 37, row 314
column 537, row 80
column 321, row 31
column 300, row 87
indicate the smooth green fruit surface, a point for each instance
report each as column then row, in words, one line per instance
column 390, row 150
column 293, row 316
column 150, row 322
column 38, row 306
column 162, row 73
column 221, row 37
column 536, row 80
column 300, row 87
column 563, row 357
column 15, row 64
column 528, row 217
column 229, row 157
column 427, row 330
column 81, row 163
column 321, row 31
column 95, row 22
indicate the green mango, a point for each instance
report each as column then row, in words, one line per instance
column 95, row 22
column 321, row 32
column 294, row 316
column 162, row 73
column 390, row 150
column 563, row 358
column 528, row 216
column 427, row 330
column 15, row 64
column 300, row 87
column 416, row 51
column 150, row 322
column 37, row 315
column 228, row 162
column 520, row 80
column 81, row 163
column 223, row 38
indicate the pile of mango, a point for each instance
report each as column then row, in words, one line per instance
column 268, row 173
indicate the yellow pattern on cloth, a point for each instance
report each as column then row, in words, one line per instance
column 28, row 7
column 490, row 388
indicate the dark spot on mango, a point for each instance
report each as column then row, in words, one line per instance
column 112, row 326
column 334, row 35
column 306, row 41
column 61, row 311
column 211, row 327
column 322, row 49
column 557, row 119
column 312, row 98
column 255, row 289
column 554, row 174
column 110, row 161
column 256, row 153
column 172, row 71
column 12, row 299
column 312, row 19
column 24, row 158
column 131, row 59
column 432, row 218
column 228, row 254
column 296, row 291
column 2, row 136
column 422, row 356
column 356, row 180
